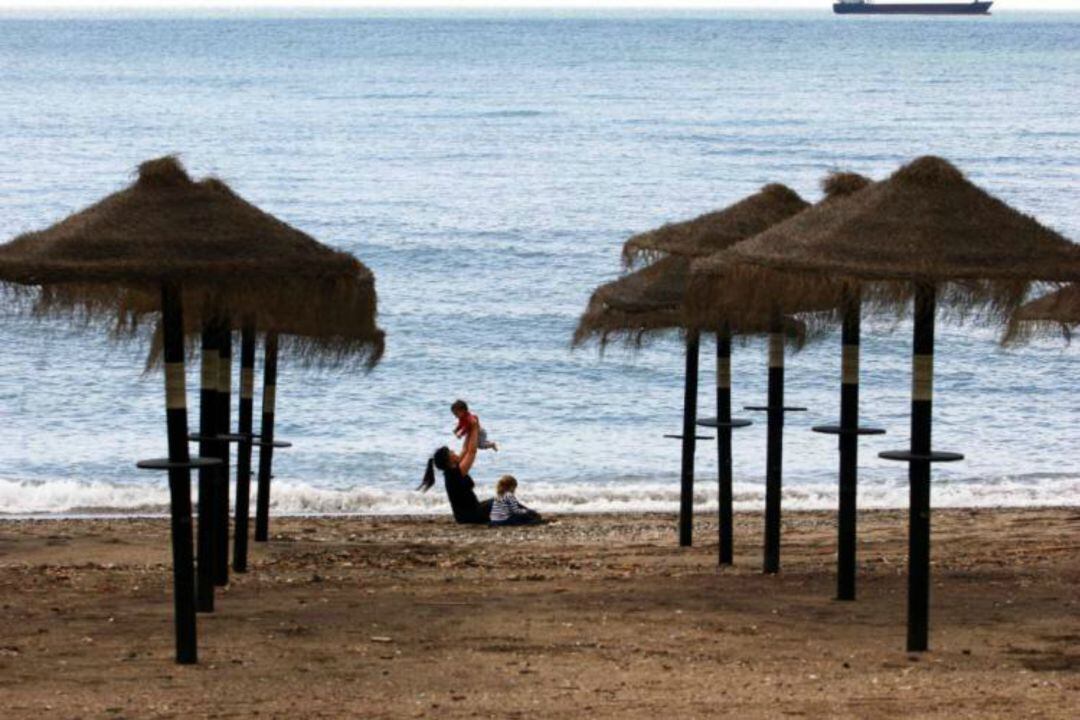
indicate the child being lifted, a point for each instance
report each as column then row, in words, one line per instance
column 466, row 422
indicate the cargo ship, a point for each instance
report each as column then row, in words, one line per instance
column 864, row 7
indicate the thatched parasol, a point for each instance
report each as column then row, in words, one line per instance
column 716, row 230
column 926, row 224
column 166, row 243
column 1058, row 311
column 108, row 260
column 837, row 187
column 635, row 307
column 925, row 231
column 651, row 300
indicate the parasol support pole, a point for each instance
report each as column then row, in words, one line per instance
column 243, row 451
column 208, row 476
column 919, row 459
column 774, row 461
column 179, row 476
column 723, row 442
column 689, row 439
column 922, row 393
column 224, row 420
column 266, row 444
column 848, row 433
column 849, row 451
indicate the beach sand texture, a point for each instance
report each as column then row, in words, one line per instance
column 591, row 616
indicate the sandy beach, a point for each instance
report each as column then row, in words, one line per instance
column 591, row 615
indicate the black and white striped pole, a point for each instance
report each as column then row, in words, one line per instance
column 774, row 453
column 221, row 499
column 208, row 476
column 179, row 476
column 724, row 424
column 919, row 458
column 179, row 465
column 848, row 432
column 689, row 438
column 266, row 439
column 243, row 450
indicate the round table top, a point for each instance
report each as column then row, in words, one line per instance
column 167, row 464
column 837, row 430
column 733, row 423
column 238, row 437
column 908, row 456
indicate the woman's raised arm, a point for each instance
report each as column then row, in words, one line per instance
column 468, row 452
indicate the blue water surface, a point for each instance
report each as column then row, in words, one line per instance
column 488, row 169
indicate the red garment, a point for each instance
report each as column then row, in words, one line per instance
column 465, row 424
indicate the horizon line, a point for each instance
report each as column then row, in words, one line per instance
column 225, row 8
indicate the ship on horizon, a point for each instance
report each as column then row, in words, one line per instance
column 866, row 7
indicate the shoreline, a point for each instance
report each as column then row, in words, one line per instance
column 437, row 514
column 604, row 614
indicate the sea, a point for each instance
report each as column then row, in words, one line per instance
column 488, row 168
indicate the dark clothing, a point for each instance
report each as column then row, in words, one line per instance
column 459, row 490
column 530, row 517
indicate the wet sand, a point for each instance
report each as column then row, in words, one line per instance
column 598, row 616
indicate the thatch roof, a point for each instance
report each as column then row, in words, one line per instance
column 229, row 257
column 1062, row 306
column 1059, row 310
column 712, row 292
column 650, row 300
column 717, row 230
column 925, row 224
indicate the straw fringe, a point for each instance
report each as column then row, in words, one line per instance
column 635, row 331
column 649, row 302
column 817, row 298
column 1057, row 312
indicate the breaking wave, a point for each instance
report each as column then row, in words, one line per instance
column 68, row 497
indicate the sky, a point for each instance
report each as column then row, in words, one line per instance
column 157, row 5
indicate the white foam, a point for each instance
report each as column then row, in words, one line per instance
column 66, row 497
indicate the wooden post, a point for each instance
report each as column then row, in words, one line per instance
column 849, row 450
column 179, row 477
column 922, row 393
column 689, row 439
column 775, row 447
column 221, row 504
column 266, row 440
column 208, row 476
column 243, row 450
column 723, row 441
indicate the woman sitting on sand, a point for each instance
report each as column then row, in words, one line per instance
column 459, row 486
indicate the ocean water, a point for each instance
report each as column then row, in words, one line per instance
column 488, row 170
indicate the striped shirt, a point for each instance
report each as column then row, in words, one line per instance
column 506, row 506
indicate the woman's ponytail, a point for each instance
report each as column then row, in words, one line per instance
column 429, row 476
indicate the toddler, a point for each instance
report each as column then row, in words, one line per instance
column 506, row 510
column 466, row 422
